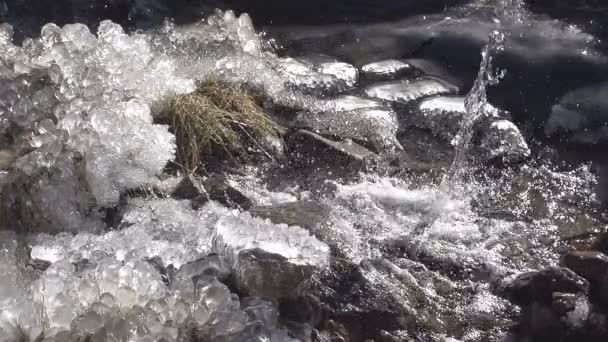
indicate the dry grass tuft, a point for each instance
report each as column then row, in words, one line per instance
column 217, row 116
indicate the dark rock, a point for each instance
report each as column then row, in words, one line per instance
column 306, row 214
column 262, row 274
column 189, row 188
column 311, row 148
column 567, row 318
column 598, row 325
column 543, row 322
column 539, row 286
column 219, row 190
column 600, row 243
column 374, row 300
column 592, row 266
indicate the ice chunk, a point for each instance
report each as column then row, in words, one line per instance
column 126, row 297
column 12, row 269
column 239, row 30
column 123, row 149
column 88, row 323
column 88, row 291
column 443, row 114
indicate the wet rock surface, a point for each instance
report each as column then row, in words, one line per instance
column 311, row 148
column 539, row 286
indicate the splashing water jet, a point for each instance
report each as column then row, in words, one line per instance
column 476, row 105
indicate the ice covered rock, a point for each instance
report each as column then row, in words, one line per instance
column 502, row 140
column 115, row 273
column 320, row 74
column 407, row 91
column 386, row 69
column 269, row 259
column 349, row 102
column 344, row 72
column 376, row 126
column 236, row 233
column 168, row 229
column 108, row 286
column 442, row 115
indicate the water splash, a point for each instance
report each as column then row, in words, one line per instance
column 476, row 104
column 507, row 13
column 511, row 11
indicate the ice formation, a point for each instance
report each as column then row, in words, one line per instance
column 119, row 285
column 87, row 102
column 77, row 127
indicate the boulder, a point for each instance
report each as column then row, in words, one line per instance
column 262, row 274
column 590, row 265
column 539, row 286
